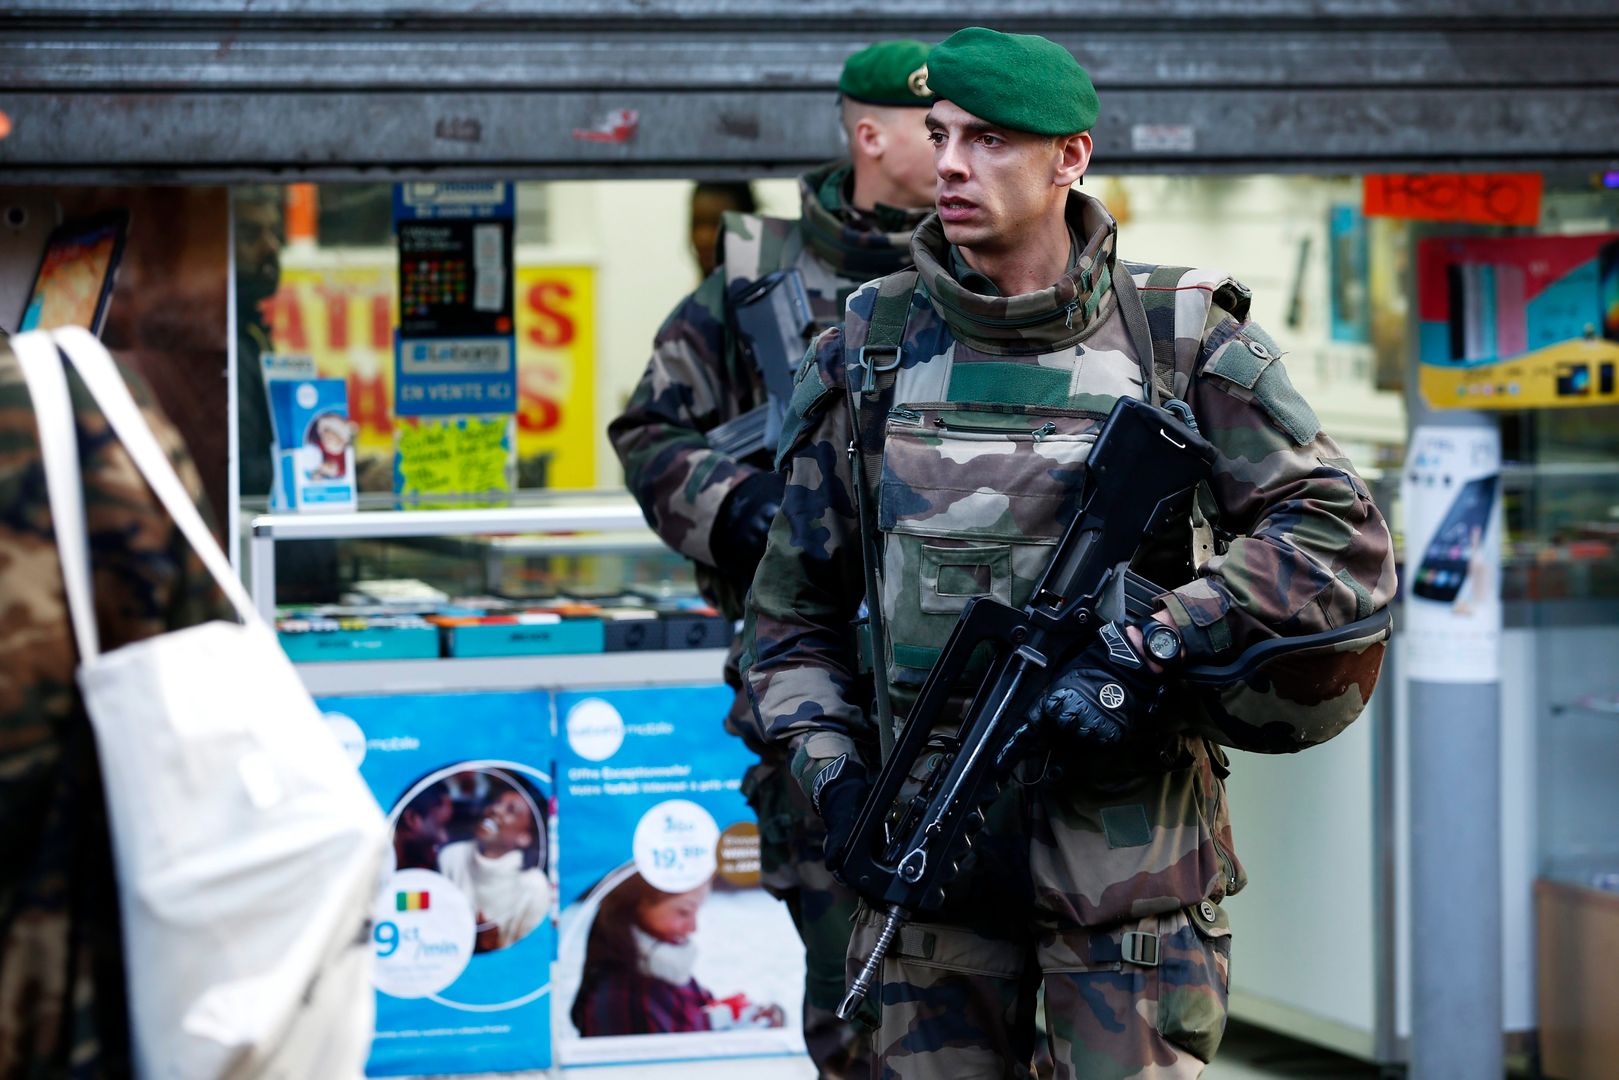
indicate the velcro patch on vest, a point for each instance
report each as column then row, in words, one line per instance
column 1009, row 384
column 1126, row 826
column 1253, row 365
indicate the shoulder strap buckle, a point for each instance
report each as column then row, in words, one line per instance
column 870, row 369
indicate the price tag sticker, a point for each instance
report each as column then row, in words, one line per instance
column 675, row 844
column 422, row 930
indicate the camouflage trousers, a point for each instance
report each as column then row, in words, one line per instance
column 1143, row 999
column 794, row 871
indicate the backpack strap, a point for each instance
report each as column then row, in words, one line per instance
column 872, row 376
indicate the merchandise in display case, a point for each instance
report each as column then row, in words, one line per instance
column 580, row 577
column 1562, row 532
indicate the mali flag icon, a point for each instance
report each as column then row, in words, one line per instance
column 411, row 901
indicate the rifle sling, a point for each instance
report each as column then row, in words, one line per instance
column 1135, row 321
column 879, row 361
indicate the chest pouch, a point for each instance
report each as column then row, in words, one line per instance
column 971, row 501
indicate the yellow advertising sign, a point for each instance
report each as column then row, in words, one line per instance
column 460, row 455
column 343, row 317
column 1566, row 374
column 344, row 314
column 556, row 374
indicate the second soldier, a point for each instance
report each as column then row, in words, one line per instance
column 712, row 497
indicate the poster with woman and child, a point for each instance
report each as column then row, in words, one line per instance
column 668, row 948
column 574, row 878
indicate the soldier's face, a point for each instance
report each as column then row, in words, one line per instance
column 997, row 187
column 707, row 210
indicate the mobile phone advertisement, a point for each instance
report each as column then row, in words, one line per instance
column 1519, row 322
column 669, row 949
column 1451, row 494
column 464, row 924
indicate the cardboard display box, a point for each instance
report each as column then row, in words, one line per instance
column 1577, row 943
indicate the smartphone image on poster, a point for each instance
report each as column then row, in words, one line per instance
column 1608, row 288
column 74, row 281
column 1444, row 565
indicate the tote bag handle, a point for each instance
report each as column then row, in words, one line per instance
column 59, row 449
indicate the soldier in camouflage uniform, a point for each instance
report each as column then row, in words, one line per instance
column 1100, row 880
column 857, row 221
column 62, row 1000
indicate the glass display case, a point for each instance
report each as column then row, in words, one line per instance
column 559, row 651
column 570, row 590
column 1561, row 501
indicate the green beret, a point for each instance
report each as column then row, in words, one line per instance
column 1016, row 81
column 888, row 73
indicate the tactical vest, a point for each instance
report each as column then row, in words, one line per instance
column 972, row 460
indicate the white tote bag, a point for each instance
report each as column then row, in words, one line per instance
column 246, row 846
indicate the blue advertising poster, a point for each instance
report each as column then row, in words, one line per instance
column 456, row 348
column 464, row 925
column 314, row 444
column 1350, row 296
column 669, row 949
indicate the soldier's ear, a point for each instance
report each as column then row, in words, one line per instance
column 1073, row 157
column 870, row 136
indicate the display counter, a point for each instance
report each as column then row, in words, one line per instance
column 534, row 696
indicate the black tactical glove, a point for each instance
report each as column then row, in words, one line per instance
column 838, row 792
column 743, row 524
column 1101, row 698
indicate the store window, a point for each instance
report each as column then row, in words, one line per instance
column 596, row 267
column 598, row 264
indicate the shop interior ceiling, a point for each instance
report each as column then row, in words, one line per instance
column 157, row 91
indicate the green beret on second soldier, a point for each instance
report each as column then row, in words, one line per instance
column 891, row 73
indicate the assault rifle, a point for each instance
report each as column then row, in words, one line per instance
column 774, row 321
column 904, row 851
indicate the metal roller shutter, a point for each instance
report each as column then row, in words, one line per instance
column 328, row 89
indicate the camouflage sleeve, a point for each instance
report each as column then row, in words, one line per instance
column 687, row 389
column 148, row 578
column 802, row 675
column 1310, row 551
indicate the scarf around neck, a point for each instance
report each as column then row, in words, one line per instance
column 856, row 243
column 1051, row 318
column 664, row 960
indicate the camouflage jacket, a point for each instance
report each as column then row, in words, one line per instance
column 1310, row 550
column 698, row 377
column 62, row 1001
